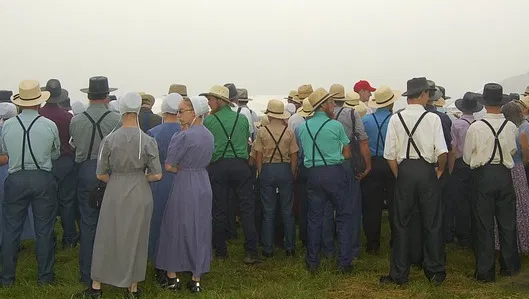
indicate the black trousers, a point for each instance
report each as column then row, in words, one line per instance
column 461, row 184
column 494, row 200
column 417, row 189
column 377, row 187
column 226, row 174
column 301, row 190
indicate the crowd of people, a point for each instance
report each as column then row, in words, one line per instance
column 129, row 185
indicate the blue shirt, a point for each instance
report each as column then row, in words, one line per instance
column 330, row 140
column 163, row 134
column 382, row 116
column 523, row 128
column 44, row 138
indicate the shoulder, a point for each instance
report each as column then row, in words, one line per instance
column 78, row 119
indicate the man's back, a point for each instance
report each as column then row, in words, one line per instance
column 62, row 120
column 148, row 119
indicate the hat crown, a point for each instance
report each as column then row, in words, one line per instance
column 318, row 96
column 293, row 93
column 362, row 85
column 492, row 93
column 275, row 106
column 242, row 93
column 339, row 90
column 5, row 95
column 307, row 107
column 179, row 89
column 29, row 90
column 147, row 98
column 220, row 91
column 98, row 84
column 54, row 87
column 304, row 91
column 416, row 85
column 384, row 94
column 352, row 98
column 232, row 91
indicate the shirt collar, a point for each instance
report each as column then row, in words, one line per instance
column 29, row 112
column 468, row 117
column 415, row 107
column 96, row 106
column 320, row 113
column 494, row 116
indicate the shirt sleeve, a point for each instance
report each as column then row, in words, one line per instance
column 390, row 148
column 294, row 148
column 342, row 136
column 177, row 149
column 512, row 141
column 360, row 130
column 439, row 138
column 468, row 148
column 153, row 157
column 103, row 161
column 56, row 147
column 258, row 143
column 453, row 134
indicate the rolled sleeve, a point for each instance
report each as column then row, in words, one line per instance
column 360, row 129
column 390, row 148
column 56, row 148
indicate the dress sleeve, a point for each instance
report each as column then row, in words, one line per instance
column 153, row 157
column 177, row 149
column 103, row 160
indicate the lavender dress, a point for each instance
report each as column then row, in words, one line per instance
column 185, row 234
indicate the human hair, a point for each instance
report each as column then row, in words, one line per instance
column 513, row 112
column 187, row 102
column 97, row 96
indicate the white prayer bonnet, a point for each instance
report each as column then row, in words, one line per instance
column 200, row 105
column 114, row 106
column 291, row 108
column 7, row 110
column 170, row 103
column 78, row 108
column 130, row 103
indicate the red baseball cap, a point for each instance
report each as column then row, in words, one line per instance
column 363, row 85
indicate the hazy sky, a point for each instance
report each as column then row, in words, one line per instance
column 268, row 46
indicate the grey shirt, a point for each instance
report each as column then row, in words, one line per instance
column 81, row 130
column 345, row 119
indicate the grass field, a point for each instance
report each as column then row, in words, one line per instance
column 281, row 277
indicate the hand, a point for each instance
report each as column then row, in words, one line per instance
column 363, row 174
column 439, row 172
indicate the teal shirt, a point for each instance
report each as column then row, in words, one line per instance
column 330, row 140
column 44, row 138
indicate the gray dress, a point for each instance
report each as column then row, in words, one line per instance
column 122, row 236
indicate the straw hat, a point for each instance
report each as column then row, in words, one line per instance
column 524, row 101
column 219, row 92
column 276, row 109
column 352, row 99
column 30, row 94
column 306, row 109
column 318, row 97
column 243, row 95
column 384, row 96
column 147, row 99
column 291, row 94
column 358, row 106
column 179, row 89
column 304, row 91
column 440, row 102
column 339, row 90
column 526, row 92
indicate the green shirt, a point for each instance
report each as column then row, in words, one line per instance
column 239, row 138
column 330, row 140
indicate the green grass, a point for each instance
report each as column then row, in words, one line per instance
column 281, row 277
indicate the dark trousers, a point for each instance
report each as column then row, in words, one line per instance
column 447, row 193
column 417, row 189
column 86, row 182
column 378, row 186
column 258, row 204
column 277, row 175
column 461, row 184
column 38, row 189
column 64, row 171
column 301, row 188
column 493, row 200
column 226, row 174
column 231, row 227
column 329, row 183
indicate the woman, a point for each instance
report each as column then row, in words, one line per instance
column 160, row 190
column 122, row 236
column 513, row 112
column 186, row 232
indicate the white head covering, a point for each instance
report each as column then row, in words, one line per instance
column 291, row 108
column 130, row 103
column 114, row 106
column 78, row 107
column 170, row 103
column 7, row 110
column 200, row 105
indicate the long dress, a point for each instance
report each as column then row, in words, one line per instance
column 160, row 189
column 185, row 235
column 122, row 235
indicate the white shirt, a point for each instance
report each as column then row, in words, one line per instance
column 246, row 112
column 295, row 121
column 479, row 142
column 428, row 136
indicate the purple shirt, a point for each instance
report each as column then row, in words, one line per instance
column 62, row 119
column 459, row 132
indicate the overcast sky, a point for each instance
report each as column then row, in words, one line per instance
column 268, row 46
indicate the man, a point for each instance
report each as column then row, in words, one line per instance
column 146, row 117
column 459, row 171
column 88, row 130
column 294, row 99
column 64, row 167
column 412, row 161
column 29, row 144
column 325, row 148
column 489, row 146
column 242, row 95
column 229, row 170
column 355, row 131
column 379, row 185
column 364, row 89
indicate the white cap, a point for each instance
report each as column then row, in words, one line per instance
column 114, row 106
column 291, row 108
column 78, row 107
column 7, row 110
column 130, row 103
column 200, row 105
column 170, row 103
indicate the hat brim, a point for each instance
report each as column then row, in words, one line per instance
column 320, row 102
column 44, row 96
column 87, row 90
column 54, row 100
column 209, row 94
column 245, row 100
column 459, row 106
column 504, row 100
column 340, row 99
column 284, row 115
column 373, row 104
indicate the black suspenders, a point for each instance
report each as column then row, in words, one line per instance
column 339, row 112
column 26, row 135
column 229, row 142
column 410, row 135
column 379, row 126
column 277, row 143
column 314, row 145
column 497, row 145
column 95, row 125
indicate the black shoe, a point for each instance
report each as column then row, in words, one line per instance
column 132, row 295
column 389, row 280
column 506, row 273
column 290, row 253
column 437, row 280
column 251, row 259
column 268, row 255
column 90, row 294
column 345, row 269
column 194, row 286
column 172, row 284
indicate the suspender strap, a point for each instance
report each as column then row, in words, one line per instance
column 229, row 142
column 497, row 145
column 468, row 121
column 410, row 135
column 339, row 112
column 277, row 143
column 26, row 135
column 379, row 127
column 314, row 144
column 95, row 125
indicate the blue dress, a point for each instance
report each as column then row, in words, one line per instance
column 160, row 190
